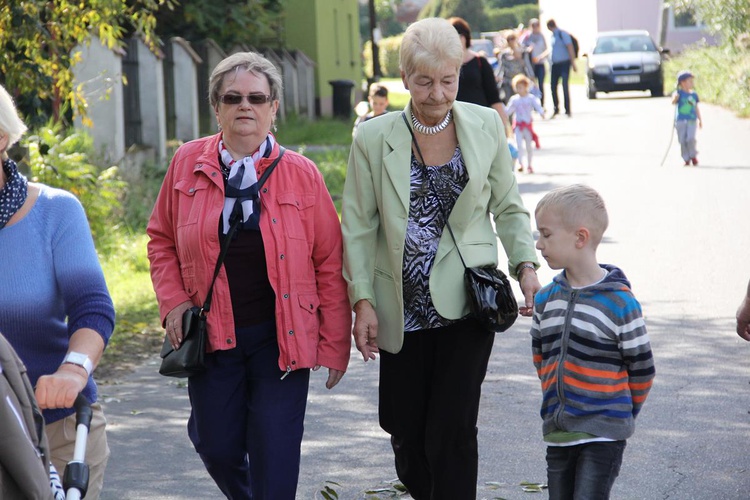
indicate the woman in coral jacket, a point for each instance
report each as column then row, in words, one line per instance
column 279, row 304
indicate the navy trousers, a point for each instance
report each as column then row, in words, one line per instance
column 559, row 71
column 246, row 423
column 429, row 404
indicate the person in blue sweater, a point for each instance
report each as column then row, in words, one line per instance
column 55, row 309
column 590, row 349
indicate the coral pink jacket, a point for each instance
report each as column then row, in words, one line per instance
column 302, row 238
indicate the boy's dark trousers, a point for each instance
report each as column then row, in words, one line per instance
column 429, row 403
column 585, row 471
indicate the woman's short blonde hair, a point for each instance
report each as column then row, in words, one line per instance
column 428, row 44
column 577, row 205
column 252, row 62
column 10, row 123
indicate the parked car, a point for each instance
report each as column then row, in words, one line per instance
column 485, row 47
column 625, row 60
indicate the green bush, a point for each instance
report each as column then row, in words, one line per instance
column 525, row 12
column 139, row 198
column 509, row 17
column 388, row 49
column 722, row 75
column 64, row 159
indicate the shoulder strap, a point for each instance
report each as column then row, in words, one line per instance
column 233, row 229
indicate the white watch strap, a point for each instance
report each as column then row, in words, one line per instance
column 80, row 359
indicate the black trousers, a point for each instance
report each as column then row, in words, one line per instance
column 560, row 71
column 429, row 403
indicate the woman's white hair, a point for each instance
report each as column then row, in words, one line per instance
column 428, row 44
column 10, row 123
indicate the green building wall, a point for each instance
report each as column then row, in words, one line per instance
column 327, row 31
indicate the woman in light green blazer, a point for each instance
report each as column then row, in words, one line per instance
column 405, row 277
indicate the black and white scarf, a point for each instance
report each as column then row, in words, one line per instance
column 13, row 193
column 242, row 186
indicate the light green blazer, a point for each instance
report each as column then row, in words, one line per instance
column 375, row 208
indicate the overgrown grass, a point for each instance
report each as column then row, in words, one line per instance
column 138, row 331
column 722, row 76
column 329, row 131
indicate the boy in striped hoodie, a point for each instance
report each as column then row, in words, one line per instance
column 590, row 346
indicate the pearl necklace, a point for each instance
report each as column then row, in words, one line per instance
column 424, row 129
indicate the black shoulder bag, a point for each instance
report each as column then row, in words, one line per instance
column 189, row 358
column 491, row 297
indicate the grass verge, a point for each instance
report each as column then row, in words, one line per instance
column 722, row 76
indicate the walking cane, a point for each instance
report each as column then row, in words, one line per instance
column 671, row 137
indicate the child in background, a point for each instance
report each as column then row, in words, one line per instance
column 590, row 348
column 687, row 114
column 377, row 97
column 521, row 106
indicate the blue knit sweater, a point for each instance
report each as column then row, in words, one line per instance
column 51, row 284
column 592, row 355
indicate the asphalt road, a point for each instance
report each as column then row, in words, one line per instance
column 682, row 236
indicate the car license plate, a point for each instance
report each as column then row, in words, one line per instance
column 628, row 79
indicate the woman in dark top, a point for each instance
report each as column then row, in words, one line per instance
column 476, row 82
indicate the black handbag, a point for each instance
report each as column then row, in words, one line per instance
column 189, row 358
column 491, row 298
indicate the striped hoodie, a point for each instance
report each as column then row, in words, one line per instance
column 593, row 357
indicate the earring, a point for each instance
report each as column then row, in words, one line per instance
column 274, row 127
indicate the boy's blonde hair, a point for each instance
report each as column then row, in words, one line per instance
column 520, row 78
column 578, row 205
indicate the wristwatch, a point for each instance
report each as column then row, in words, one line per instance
column 80, row 359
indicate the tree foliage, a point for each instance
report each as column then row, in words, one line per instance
column 502, row 4
column 38, row 36
column 726, row 18
column 470, row 10
column 255, row 23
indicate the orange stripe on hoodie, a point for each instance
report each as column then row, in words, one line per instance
column 623, row 386
column 590, row 372
column 640, row 387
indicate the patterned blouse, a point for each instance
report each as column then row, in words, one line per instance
column 434, row 191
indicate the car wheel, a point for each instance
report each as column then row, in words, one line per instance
column 657, row 91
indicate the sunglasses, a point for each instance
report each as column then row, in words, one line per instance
column 234, row 99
